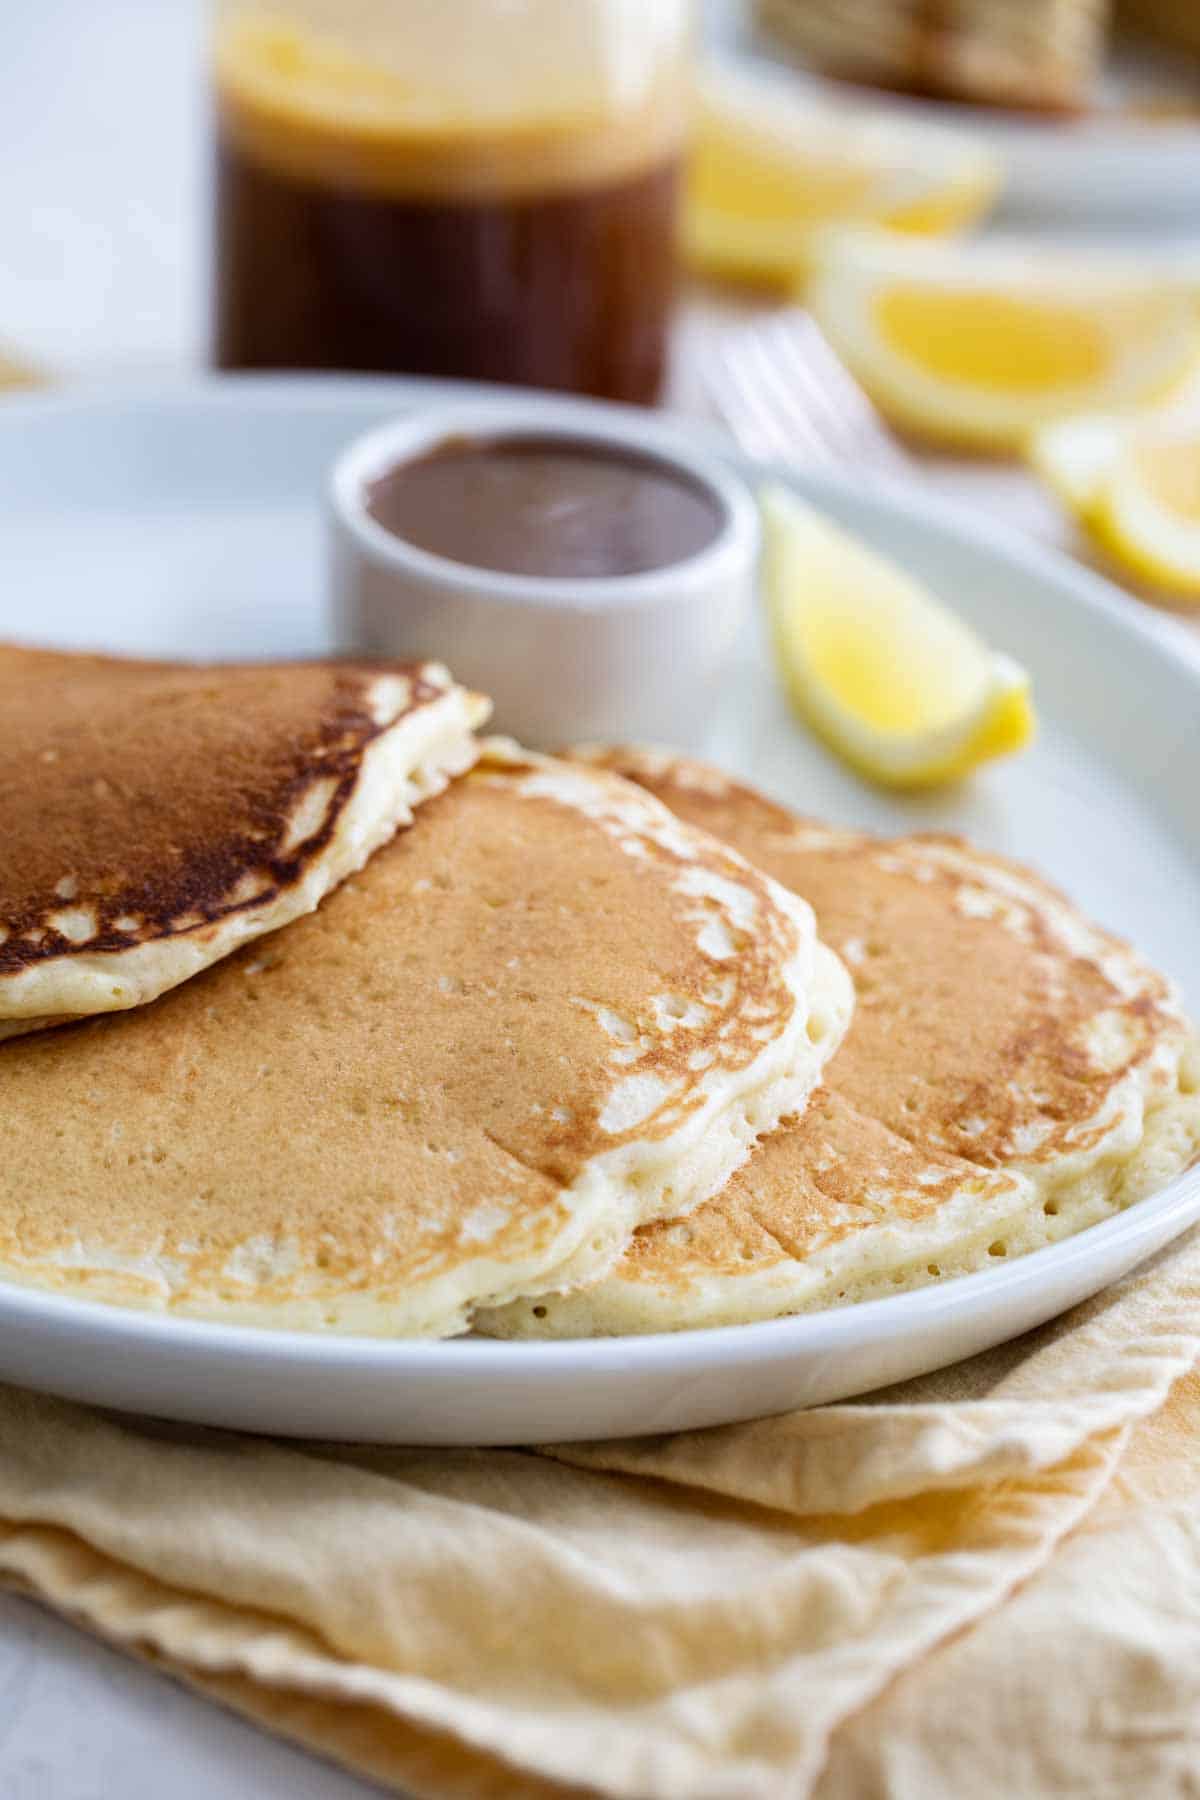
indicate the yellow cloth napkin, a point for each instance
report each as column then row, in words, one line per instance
column 828, row 1603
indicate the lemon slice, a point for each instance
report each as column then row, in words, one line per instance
column 769, row 170
column 982, row 344
column 889, row 677
column 1134, row 484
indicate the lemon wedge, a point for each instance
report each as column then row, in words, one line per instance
column 1134, row 484
column 982, row 344
column 886, row 675
column 768, row 171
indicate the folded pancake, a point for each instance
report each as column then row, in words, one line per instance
column 154, row 816
column 1012, row 1074
column 544, row 1014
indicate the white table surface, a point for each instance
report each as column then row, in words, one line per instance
column 102, row 254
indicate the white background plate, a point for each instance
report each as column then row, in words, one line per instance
column 1103, row 171
column 187, row 521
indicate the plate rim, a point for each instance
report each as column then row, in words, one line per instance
column 1049, row 166
column 940, row 1304
column 1061, row 137
column 1158, row 1218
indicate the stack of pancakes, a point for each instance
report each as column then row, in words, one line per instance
column 1042, row 55
column 323, row 1013
column 1031, row 55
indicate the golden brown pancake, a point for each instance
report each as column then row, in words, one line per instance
column 1012, row 1073
column 546, row 1012
column 156, row 815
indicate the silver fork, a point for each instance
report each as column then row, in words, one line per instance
column 782, row 392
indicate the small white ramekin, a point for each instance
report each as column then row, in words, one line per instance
column 564, row 659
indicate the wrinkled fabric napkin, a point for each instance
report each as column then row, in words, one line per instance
column 987, row 1580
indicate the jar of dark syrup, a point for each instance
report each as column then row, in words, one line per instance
column 473, row 188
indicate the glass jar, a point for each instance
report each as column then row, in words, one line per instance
column 476, row 188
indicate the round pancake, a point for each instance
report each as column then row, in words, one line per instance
column 155, row 816
column 1012, row 1074
column 546, row 1012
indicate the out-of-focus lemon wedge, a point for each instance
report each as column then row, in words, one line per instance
column 889, row 677
column 769, row 170
column 981, row 344
column 16, row 373
column 1135, row 486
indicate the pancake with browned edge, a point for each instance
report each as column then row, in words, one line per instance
column 154, row 816
column 1012, row 1074
column 544, row 1014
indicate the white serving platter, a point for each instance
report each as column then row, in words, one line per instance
column 187, row 521
column 1106, row 170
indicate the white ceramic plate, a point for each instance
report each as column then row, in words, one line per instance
column 1106, row 170
column 187, row 522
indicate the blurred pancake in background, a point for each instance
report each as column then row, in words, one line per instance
column 1012, row 1074
column 155, row 816
column 1053, row 56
